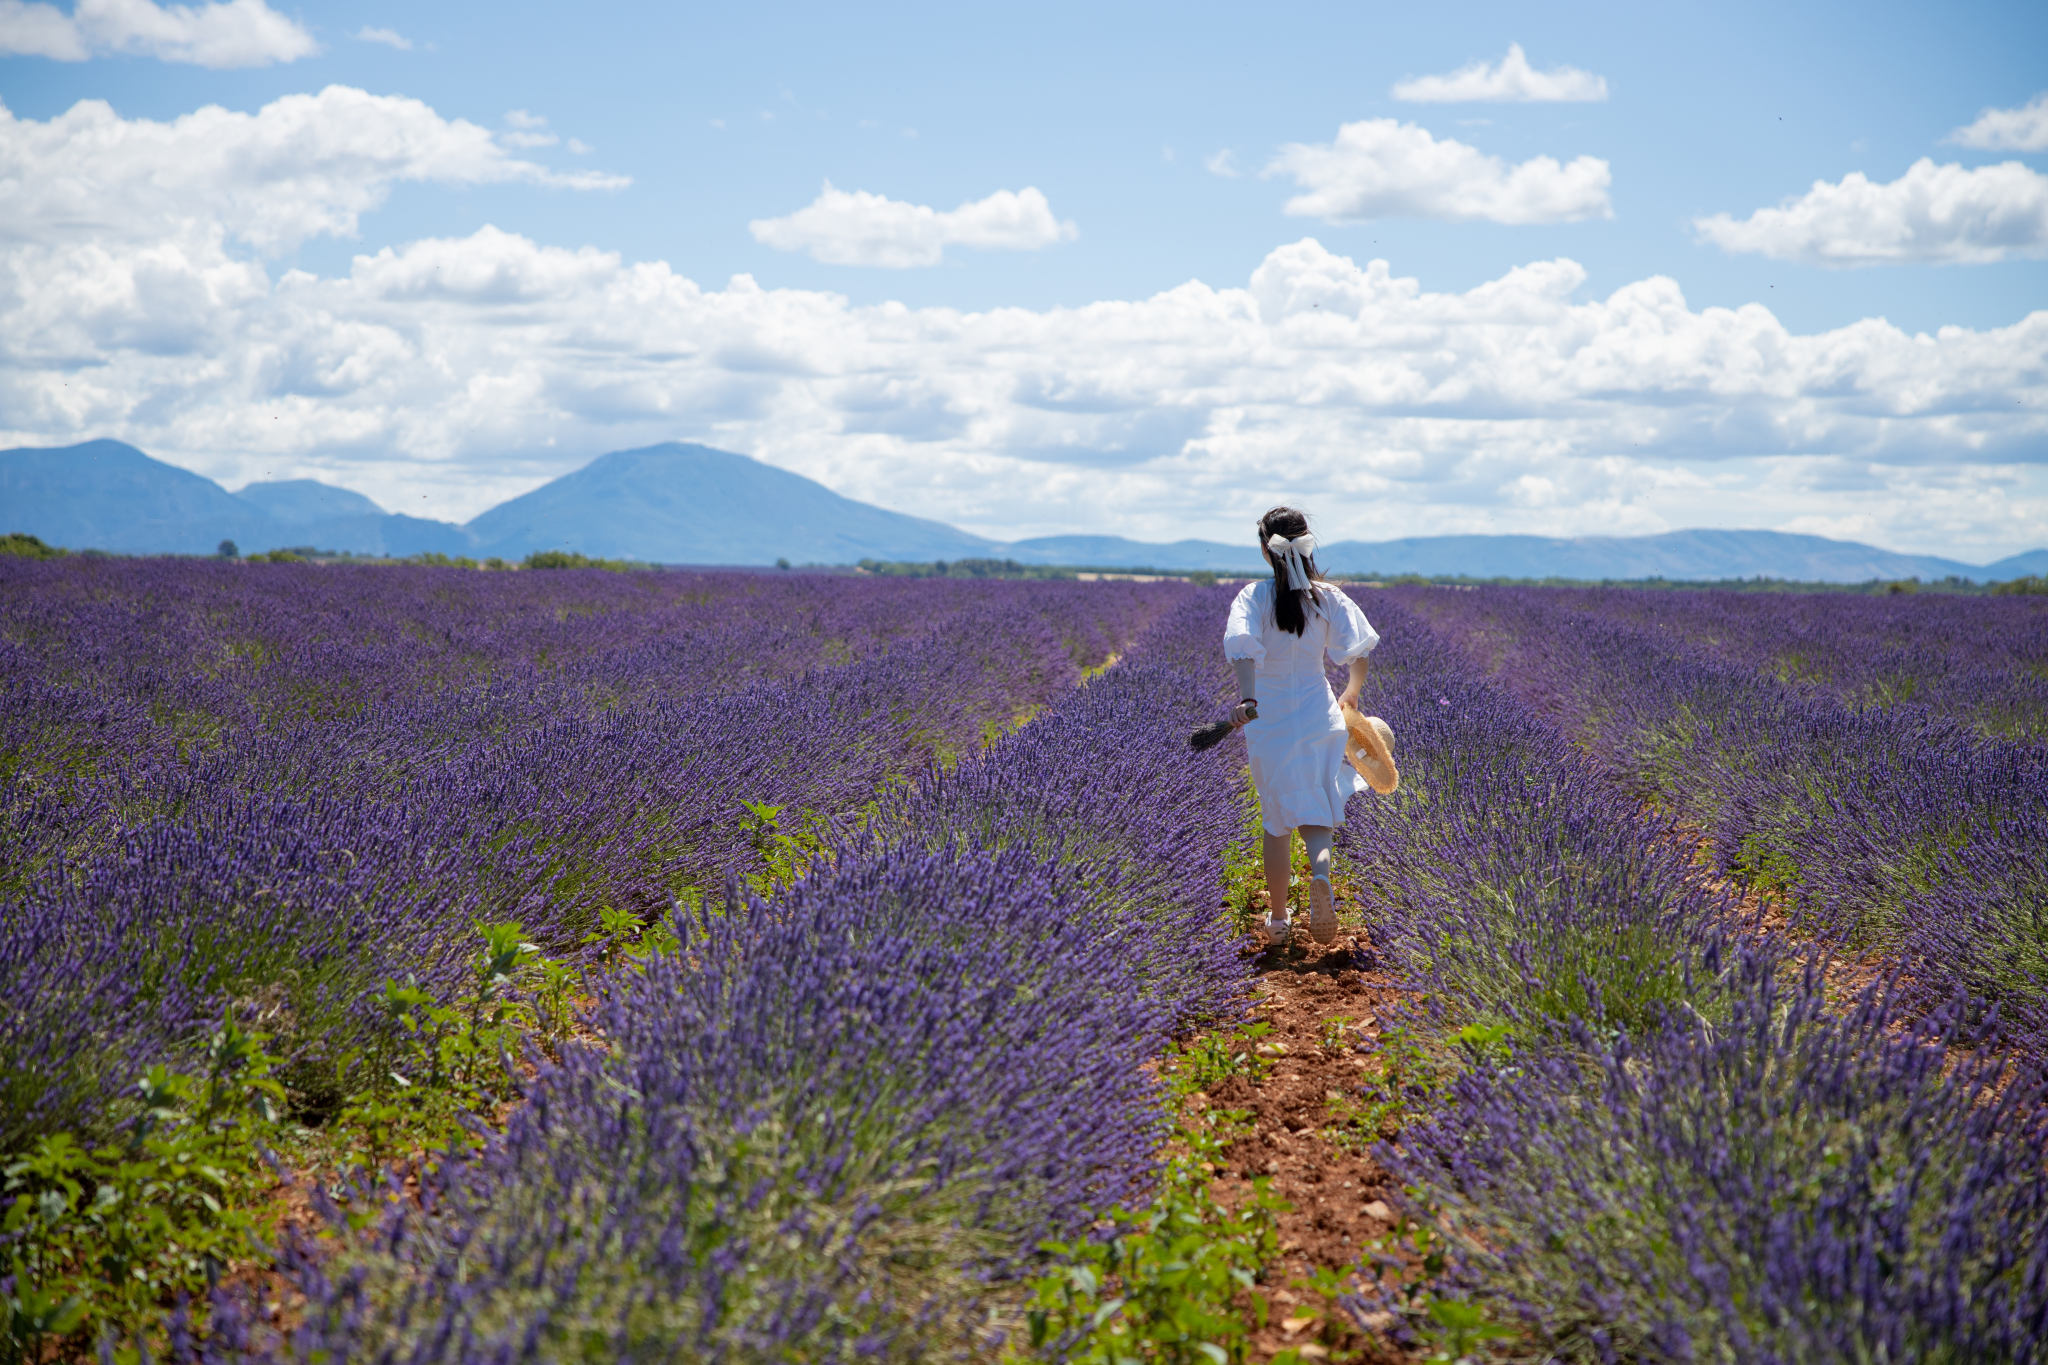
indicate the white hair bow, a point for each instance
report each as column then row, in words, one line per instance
column 1292, row 553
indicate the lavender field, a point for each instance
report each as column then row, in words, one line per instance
column 414, row 964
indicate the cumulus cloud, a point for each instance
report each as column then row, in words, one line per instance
column 471, row 368
column 388, row 37
column 229, row 34
column 1511, row 80
column 1380, row 168
column 301, row 166
column 1932, row 214
column 2024, row 129
column 857, row 228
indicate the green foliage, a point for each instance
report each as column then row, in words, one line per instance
column 569, row 559
column 25, row 546
column 785, row 853
column 1407, row 1266
column 1406, row 1073
column 277, row 557
column 1213, row 1057
column 435, row 1062
column 1461, row 1327
column 1170, row 1283
column 622, row 936
column 434, row 559
column 2031, row 586
column 101, row 1239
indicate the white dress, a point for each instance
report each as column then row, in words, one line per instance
column 1297, row 743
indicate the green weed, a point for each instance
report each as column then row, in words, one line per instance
column 1170, row 1283
column 102, row 1239
column 1407, row 1071
column 1215, row 1057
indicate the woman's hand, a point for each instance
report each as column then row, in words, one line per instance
column 1244, row 713
column 1354, row 684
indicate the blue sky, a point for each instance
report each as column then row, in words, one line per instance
column 1071, row 169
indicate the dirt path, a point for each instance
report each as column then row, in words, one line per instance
column 1327, row 1009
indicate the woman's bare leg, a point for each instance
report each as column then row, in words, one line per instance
column 1322, row 900
column 1278, row 851
column 1316, row 838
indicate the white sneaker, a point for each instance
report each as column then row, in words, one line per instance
column 1322, row 912
column 1278, row 931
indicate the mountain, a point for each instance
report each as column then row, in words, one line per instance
column 299, row 501
column 690, row 504
column 324, row 517
column 105, row 495
column 382, row 533
column 1110, row 552
column 2032, row 564
column 1674, row 554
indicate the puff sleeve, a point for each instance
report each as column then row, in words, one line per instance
column 1351, row 635
column 1241, row 632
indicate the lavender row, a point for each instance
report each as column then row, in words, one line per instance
column 1895, row 828
column 1509, row 876
column 298, row 869
column 828, row 1123
column 1677, row 1152
column 1981, row 660
column 1787, row 1184
column 125, row 674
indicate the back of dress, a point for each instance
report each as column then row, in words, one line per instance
column 1296, row 746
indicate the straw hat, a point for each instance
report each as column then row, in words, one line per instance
column 1370, row 747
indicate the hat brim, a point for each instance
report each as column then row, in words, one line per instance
column 1369, row 745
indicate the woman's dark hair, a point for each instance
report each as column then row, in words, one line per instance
column 1290, row 607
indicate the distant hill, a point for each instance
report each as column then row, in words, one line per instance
column 106, row 495
column 2032, row 564
column 690, row 504
column 1111, row 552
column 1674, row 554
column 306, row 500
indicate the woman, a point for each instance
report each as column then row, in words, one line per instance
column 1279, row 631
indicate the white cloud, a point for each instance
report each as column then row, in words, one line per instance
column 2008, row 130
column 1223, row 163
column 1931, row 214
column 386, row 36
column 1512, row 80
column 528, row 139
column 429, row 367
column 520, row 118
column 301, row 166
column 229, row 34
column 857, row 228
column 1379, row 168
